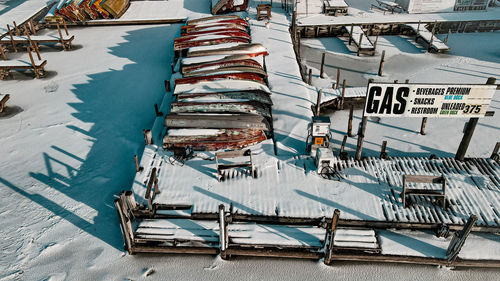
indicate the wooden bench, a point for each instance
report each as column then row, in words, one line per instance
column 335, row 7
column 263, row 8
column 3, row 101
column 36, row 65
column 440, row 194
column 233, row 154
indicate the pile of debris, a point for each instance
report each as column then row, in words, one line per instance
column 222, row 100
column 83, row 10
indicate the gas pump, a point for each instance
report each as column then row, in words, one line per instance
column 319, row 134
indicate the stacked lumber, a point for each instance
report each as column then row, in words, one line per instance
column 222, row 100
column 83, row 10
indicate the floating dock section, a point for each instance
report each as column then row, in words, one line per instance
column 429, row 38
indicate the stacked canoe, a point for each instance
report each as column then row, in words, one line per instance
column 83, row 10
column 222, row 100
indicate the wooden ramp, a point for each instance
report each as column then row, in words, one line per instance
column 360, row 39
column 430, row 39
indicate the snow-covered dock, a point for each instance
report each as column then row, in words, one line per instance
column 289, row 189
column 434, row 43
column 361, row 40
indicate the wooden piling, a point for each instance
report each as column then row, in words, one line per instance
column 447, row 36
column 362, row 130
column 343, row 95
column 375, row 44
column 359, row 46
column 381, row 65
column 157, row 111
column 432, row 37
column 318, row 102
column 322, row 72
column 137, row 167
column 309, row 78
column 331, row 230
column 342, row 153
column 223, row 239
column 350, row 35
column 338, row 78
column 422, row 126
column 383, row 154
column 495, row 155
column 469, row 131
column 167, row 86
column 349, row 124
column 148, row 136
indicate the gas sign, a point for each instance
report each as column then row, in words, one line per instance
column 427, row 100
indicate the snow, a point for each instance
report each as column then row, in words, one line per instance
column 224, row 85
column 68, row 150
column 193, row 132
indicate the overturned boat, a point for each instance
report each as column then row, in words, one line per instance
column 212, row 139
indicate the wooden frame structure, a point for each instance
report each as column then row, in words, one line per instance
column 18, row 39
column 3, row 101
column 233, row 154
column 263, row 11
column 38, row 67
column 440, row 194
column 335, row 7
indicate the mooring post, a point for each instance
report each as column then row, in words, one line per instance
column 383, row 154
column 432, row 37
column 447, row 36
column 167, row 86
column 148, row 136
column 359, row 46
column 362, row 130
column 309, row 77
column 458, row 240
column 137, row 167
column 342, row 154
column 338, row 78
column 375, row 44
column 322, row 72
column 495, row 155
column 418, row 27
column 381, row 65
column 422, row 126
column 222, row 232
column 343, row 95
column 157, row 111
column 350, row 35
column 298, row 45
column 318, row 102
column 349, row 124
column 331, row 238
column 469, row 130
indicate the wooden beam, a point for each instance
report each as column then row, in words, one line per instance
column 12, row 39
column 343, row 95
column 459, row 238
column 61, row 37
column 137, row 167
column 349, row 122
column 33, row 63
column 318, row 102
column 381, row 65
column 331, row 238
column 422, row 126
column 322, row 72
column 383, row 154
column 338, row 78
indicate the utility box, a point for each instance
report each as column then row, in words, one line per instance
column 320, row 131
column 324, row 158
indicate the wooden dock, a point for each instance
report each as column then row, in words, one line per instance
column 429, row 38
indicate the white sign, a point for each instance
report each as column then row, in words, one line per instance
column 428, row 100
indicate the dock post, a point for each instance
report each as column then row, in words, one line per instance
column 383, row 154
column 418, row 27
column 137, row 167
column 469, row 131
column 447, row 36
column 432, row 37
column 359, row 46
column 381, row 65
column 318, row 102
column 375, row 44
column 167, row 86
column 459, row 238
column 342, row 153
column 362, row 130
column 495, row 155
column 331, row 238
column 422, row 126
column 322, row 72
column 222, row 232
column 343, row 95
column 338, row 78
column 349, row 124
column 157, row 111
column 309, row 78
column 350, row 35
column 148, row 136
